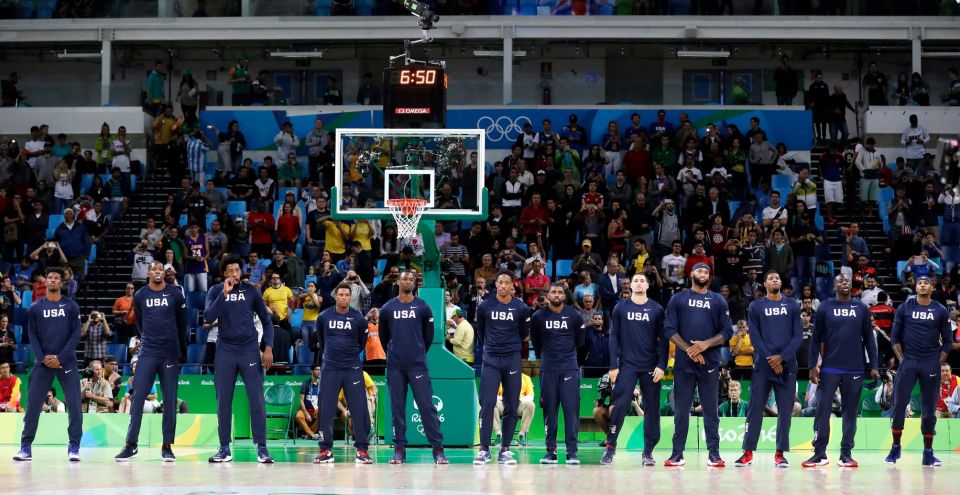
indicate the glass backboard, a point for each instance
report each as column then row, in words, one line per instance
column 444, row 167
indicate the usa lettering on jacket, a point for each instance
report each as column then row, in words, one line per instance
column 698, row 303
column 235, row 297
column 846, row 312
column 501, row 315
column 155, row 302
column 637, row 316
column 404, row 313
column 555, row 324
column 339, row 325
column 53, row 313
column 775, row 311
column 922, row 315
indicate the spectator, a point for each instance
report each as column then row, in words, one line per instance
column 868, row 162
column 734, row 407
column 371, row 389
column 461, row 339
column 278, row 298
column 779, row 257
column 239, row 80
column 914, row 138
column 952, row 98
column 125, row 314
column 525, row 411
column 742, row 351
column 73, row 241
column 110, row 374
column 820, row 104
column 332, row 94
column 598, row 342
column 919, row 90
column 142, row 258
column 368, row 93
column 307, row 417
column 156, row 96
column 373, row 353
column 9, row 390
column 839, row 104
column 11, row 96
column 95, row 332
column 948, row 387
column 870, row 291
column 875, row 85
column 52, row 404
column 536, row 283
column 96, row 392
column 150, row 406
column 8, row 342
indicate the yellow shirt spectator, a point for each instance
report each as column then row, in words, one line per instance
column 362, row 232
column 163, row 127
column 335, row 241
column 368, row 383
column 742, row 350
column 462, row 340
column 526, row 387
column 277, row 299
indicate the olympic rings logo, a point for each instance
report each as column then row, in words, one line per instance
column 502, row 128
column 437, row 404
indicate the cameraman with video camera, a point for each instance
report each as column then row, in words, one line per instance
column 95, row 390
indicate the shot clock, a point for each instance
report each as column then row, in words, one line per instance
column 415, row 96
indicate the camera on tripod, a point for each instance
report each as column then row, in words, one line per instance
column 426, row 16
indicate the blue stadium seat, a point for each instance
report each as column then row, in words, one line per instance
column 133, row 182
column 309, row 278
column 884, row 196
column 93, row 254
column 901, row 265
column 118, row 351
column 195, row 353
column 86, row 180
column 381, row 266
column 296, row 319
column 22, row 353
column 235, row 208
column 265, row 262
column 190, row 369
column 322, row 7
column 781, row 183
column 55, row 220
column 522, row 247
column 564, row 268
column 196, row 300
column 183, row 219
column 548, row 269
column 377, row 279
column 193, row 317
column 210, row 218
column 304, row 354
column 200, row 337
column 26, row 299
column 301, row 369
column 17, row 334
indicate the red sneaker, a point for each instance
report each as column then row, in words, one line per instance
column 745, row 460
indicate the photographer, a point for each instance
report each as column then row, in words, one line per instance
column 359, row 294
column 95, row 332
column 884, row 396
column 95, row 390
column 387, row 288
column 47, row 255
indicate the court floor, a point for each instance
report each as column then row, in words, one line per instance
column 51, row 473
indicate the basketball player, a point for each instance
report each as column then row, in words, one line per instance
column 406, row 330
column 638, row 352
column 921, row 340
column 234, row 304
column 502, row 324
column 342, row 333
column 842, row 334
column 161, row 320
column 557, row 333
column 776, row 334
column 54, row 327
column 698, row 323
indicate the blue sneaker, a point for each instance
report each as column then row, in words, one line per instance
column 399, row 456
column 549, row 458
column 608, row 455
column 930, row 460
column 505, row 457
column 222, row 455
column 572, row 459
column 25, row 454
column 73, row 453
column 894, row 455
column 263, row 455
column 439, row 457
column 483, row 457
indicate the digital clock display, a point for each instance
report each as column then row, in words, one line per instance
column 414, row 77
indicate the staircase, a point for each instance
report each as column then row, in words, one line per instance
column 871, row 230
column 108, row 277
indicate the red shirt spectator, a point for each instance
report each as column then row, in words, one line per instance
column 9, row 390
column 698, row 256
column 261, row 227
column 883, row 315
column 948, row 383
column 288, row 225
column 533, row 216
column 637, row 163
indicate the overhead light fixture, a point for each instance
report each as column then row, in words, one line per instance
column 64, row 55
column 941, row 54
column 703, row 54
column 498, row 53
column 284, row 54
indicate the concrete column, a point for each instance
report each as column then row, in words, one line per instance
column 246, row 8
column 105, row 62
column 916, row 54
column 507, row 66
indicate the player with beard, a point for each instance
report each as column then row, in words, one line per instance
column 776, row 334
column 921, row 340
column 557, row 333
column 638, row 353
column 697, row 321
column 841, row 336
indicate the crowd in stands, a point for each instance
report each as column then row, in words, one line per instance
column 114, row 8
column 653, row 197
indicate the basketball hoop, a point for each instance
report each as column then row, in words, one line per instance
column 406, row 213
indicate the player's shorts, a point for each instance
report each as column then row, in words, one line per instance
column 832, row 191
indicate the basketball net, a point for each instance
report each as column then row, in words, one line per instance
column 406, row 213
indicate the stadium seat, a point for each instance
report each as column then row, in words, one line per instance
column 26, row 299
column 310, row 278
column 22, row 353
column 55, row 220
column 93, row 254
column 901, row 265
column 17, row 334
column 304, row 354
column 190, row 369
column 196, row 299
column 265, row 262
column 183, row 219
column 86, row 180
column 193, row 315
column 200, row 337
column 301, row 369
column 381, row 266
column 235, row 208
column 210, row 218
column 279, row 399
column 564, row 268
column 296, row 319
column 195, row 353
column 548, row 269
column 884, row 197
column 118, row 351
